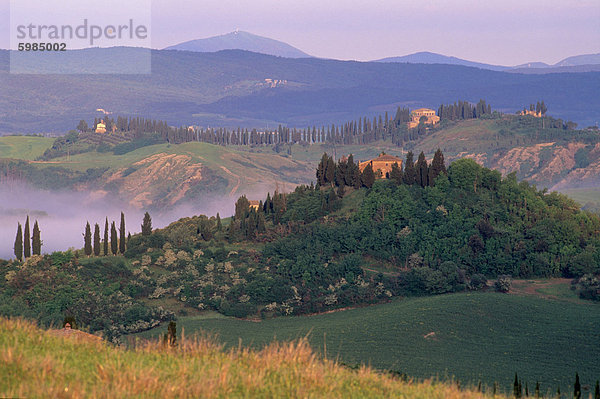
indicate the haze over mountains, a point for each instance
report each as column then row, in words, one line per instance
column 240, row 40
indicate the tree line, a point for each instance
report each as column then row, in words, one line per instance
column 27, row 244
column 110, row 244
column 365, row 130
column 347, row 172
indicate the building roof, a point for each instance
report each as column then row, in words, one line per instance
column 423, row 110
column 386, row 158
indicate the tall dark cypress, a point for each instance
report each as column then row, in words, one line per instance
column 96, row 240
column 577, row 387
column 105, row 243
column 396, row 173
column 219, row 225
column 87, row 240
column 122, row 234
column 410, row 174
column 19, row 243
column 422, row 170
column 26, row 240
column 114, row 243
column 437, row 167
column 36, row 241
column 368, row 176
column 147, row 225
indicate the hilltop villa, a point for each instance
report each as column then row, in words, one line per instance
column 382, row 165
column 417, row 114
column 101, row 127
column 254, row 204
column 529, row 112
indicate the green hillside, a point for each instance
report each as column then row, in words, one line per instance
column 158, row 176
column 24, row 147
column 37, row 363
column 473, row 337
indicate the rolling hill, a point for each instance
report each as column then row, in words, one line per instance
column 193, row 369
column 472, row 337
column 240, row 40
column 235, row 88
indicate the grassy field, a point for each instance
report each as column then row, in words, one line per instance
column 584, row 195
column 474, row 337
column 36, row 363
column 24, row 147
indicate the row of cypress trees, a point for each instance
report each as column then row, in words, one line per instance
column 26, row 244
column 96, row 246
column 519, row 393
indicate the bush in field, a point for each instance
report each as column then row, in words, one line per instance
column 503, row 283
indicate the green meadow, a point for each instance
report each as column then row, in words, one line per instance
column 471, row 337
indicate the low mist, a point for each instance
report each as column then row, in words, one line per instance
column 62, row 215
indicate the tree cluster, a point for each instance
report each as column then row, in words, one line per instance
column 27, row 244
column 116, row 244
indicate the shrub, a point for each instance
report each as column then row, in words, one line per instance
column 503, row 283
column 477, row 282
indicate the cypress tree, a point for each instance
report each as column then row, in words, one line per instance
column 122, row 234
column 96, row 240
column 396, row 173
column 437, row 167
column 410, row 174
column 219, row 225
column 36, row 242
column 368, row 177
column 330, row 171
column 114, row 245
column 537, row 389
column 147, row 225
column 577, row 387
column 321, row 170
column 597, row 390
column 19, row 243
column 26, row 240
column 422, row 170
column 516, row 391
column 87, row 240
column 105, row 237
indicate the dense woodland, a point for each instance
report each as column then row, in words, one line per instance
column 350, row 239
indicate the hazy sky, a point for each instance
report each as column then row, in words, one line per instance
column 506, row 32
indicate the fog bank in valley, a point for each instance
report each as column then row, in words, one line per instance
column 62, row 215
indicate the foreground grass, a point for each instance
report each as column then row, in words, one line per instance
column 476, row 337
column 35, row 363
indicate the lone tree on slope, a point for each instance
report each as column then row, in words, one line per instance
column 147, row 225
column 36, row 242
column 19, row 243
column 26, row 242
column 87, row 240
column 122, row 234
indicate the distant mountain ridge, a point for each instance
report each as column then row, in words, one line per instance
column 240, row 40
column 569, row 64
column 426, row 57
